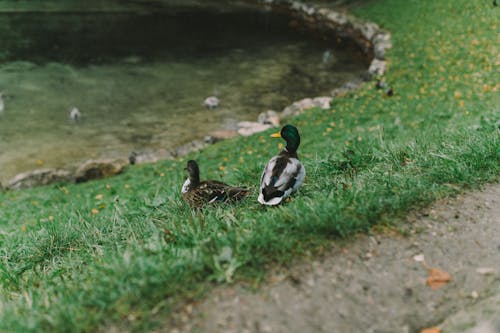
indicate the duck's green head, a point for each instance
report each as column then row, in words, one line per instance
column 291, row 135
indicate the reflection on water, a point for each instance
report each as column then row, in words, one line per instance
column 139, row 81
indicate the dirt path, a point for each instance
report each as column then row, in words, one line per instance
column 376, row 284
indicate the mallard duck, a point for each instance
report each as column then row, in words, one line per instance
column 284, row 173
column 197, row 193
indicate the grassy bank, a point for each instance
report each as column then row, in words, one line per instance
column 125, row 250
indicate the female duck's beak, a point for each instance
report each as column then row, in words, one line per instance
column 276, row 135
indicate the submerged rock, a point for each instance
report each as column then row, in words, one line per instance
column 75, row 114
column 139, row 157
column 1, row 103
column 211, row 102
column 38, row 178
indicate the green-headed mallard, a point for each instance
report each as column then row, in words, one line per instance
column 198, row 193
column 284, row 173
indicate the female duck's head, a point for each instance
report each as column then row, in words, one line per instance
column 291, row 135
column 193, row 178
column 193, row 171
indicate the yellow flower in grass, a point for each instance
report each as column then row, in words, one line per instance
column 98, row 197
column 94, row 211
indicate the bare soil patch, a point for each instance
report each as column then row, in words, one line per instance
column 378, row 282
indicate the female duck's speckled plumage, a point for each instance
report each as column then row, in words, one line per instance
column 284, row 173
column 199, row 193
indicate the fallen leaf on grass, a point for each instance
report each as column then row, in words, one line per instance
column 437, row 278
column 431, row 330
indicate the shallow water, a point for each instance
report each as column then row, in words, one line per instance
column 140, row 80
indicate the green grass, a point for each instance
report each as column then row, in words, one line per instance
column 126, row 251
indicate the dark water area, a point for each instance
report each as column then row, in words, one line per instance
column 81, row 39
column 139, row 80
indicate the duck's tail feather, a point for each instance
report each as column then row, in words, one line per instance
column 237, row 193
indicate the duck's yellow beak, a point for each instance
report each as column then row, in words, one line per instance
column 276, row 135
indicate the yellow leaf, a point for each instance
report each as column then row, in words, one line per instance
column 431, row 330
column 437, row 278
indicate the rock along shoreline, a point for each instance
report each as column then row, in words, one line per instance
column 368, row 36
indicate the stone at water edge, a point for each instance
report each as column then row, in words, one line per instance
column 97, row 169
column 38, row 178
column 247, row 128
column 220, row 135
column 269, row 117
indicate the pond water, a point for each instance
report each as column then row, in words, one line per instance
column 139, row 80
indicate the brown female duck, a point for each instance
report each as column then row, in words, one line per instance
column 199, row 193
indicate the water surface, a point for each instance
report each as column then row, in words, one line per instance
column 139, row 80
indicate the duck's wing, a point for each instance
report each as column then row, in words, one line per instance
column 213, row 191
column 282, row 176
